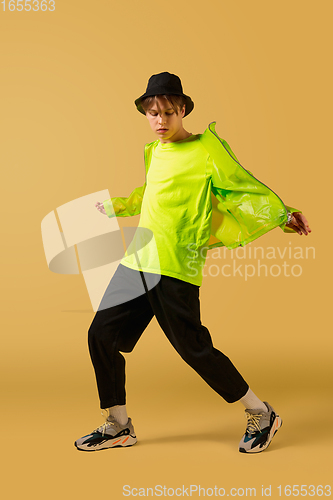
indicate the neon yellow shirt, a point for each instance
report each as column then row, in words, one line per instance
column 177, row 208
column 180, row 214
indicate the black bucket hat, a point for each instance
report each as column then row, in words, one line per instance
column 164, row 84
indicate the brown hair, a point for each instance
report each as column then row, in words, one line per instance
column 177, row 102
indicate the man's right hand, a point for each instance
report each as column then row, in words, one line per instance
column 100, row 207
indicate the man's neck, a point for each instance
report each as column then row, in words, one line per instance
column 181, row 135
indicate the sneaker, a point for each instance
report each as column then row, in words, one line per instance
column 260, row 430
column 111, row 434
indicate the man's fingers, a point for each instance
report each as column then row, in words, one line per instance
column 301, row 228
column 100, row 206
column 297, row 229
column 295, row 226
column 301, row 222
column 303, row 218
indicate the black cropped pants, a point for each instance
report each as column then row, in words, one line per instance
column 130, row 301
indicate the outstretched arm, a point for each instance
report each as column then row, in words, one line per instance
column 298, row 222
column 123, row 207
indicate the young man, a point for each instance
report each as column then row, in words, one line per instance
column 161, row 271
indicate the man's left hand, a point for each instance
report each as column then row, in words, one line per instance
column 299, row 224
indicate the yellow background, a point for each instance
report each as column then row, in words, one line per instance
column 68, row 127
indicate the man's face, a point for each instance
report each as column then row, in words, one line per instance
column 164, row 121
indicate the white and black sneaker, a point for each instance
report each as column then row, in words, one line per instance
column 111, row 434
column 260, row 430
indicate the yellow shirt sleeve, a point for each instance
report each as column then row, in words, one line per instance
column 125, row 207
